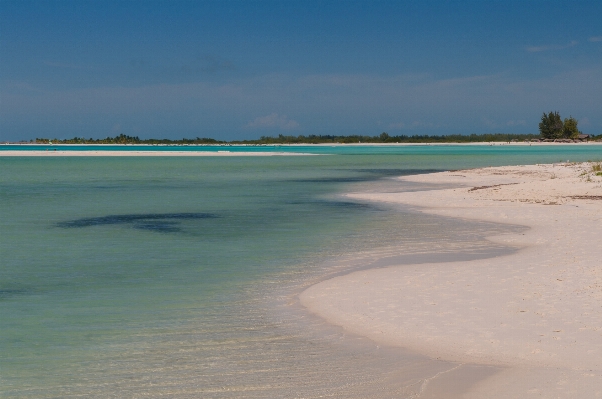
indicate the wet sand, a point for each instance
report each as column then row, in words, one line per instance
column 534, row 317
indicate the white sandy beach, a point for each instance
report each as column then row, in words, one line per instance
column 536, row 314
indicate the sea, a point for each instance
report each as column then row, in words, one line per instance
column 177, row 277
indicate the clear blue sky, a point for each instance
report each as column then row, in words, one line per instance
column 231, row 70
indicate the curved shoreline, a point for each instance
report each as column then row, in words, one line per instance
column 537, row 312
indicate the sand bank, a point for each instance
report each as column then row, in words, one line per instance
column 537, row 314
column 103, row 153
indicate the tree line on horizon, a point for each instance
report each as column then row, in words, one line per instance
column 551, row 127
column 124, row 139
column 302, row 139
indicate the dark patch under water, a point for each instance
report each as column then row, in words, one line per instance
column 9, row 293
column 337, row 204
column 353, row 179
column 159, row 222
column 369, row 175
column 398, row 172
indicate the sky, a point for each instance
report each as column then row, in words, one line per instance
column 234, row 70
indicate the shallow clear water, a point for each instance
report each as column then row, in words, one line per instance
column 171, row 276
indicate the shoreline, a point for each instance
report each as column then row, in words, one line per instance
column 479, row 143
column 537, row 313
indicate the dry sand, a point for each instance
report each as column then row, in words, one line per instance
column 535, row 314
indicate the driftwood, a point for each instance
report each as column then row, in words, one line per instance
column 495, row 185
column 587, row 197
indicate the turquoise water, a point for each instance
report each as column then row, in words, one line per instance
column 494, row 151
column 175, row 276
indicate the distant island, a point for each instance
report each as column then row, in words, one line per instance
column 316, row 139
column 551, row 129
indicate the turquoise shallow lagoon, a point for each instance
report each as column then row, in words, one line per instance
column 176, row 276
column 492, row 150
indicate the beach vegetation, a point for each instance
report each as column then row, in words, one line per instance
column 553, row 127
column 569, row 128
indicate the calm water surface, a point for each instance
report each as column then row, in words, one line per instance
column 176, row 277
